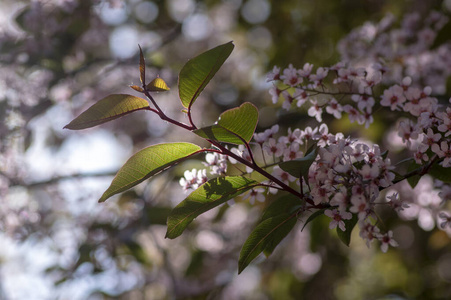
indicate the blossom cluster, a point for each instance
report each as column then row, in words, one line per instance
column 409, row 49
column 349, row 177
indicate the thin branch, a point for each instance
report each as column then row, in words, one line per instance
column 57, row 179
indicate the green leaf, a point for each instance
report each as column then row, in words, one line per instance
column 157, row 85
column 236, row 125
column 147, row 163
column 313, row 217
column 300, row 166
column 142, row 66
column 345, row 236
column 287, row 204
column 198, row 72
column 413, row 180
column 107, row 109
column 440, row 173
column 209, row 195
column 442, row 36
column 265, row 237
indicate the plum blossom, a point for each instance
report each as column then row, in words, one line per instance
column 337, row 218
column 443, row 151
column 396, row 203
column 315, row 110
column 393, row 97
column 386, row 240
column 273, row 75
column 217, row 163
column 193, row 179
column 290, row 76
column 255, row 194
column 274, row 148
column 334, row 108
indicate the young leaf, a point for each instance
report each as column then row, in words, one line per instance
column 107, row 109
column 345, row 236
column 137, row 88
column 157, row 85
column 265, row 237
column 198, row 72
column 234, row 126
column 300, row 166
column 147, row 163
column 142, row 66
column 209, row 195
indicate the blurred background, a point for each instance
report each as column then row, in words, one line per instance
column 58, row 57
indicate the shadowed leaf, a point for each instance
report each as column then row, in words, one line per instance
column 147, row 163
column 107, row 109
column 313, row 217
column 300, row 166
column 265, row 237
column 345, row 236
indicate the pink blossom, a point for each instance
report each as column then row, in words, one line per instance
column 282, row 175
column 306, row 70
column 337, row 218
column 273, row 148
column 396, row 203
column 290, row 76
column 387, row 240
column 292, row 152
column 275, row 94
column 315, row 110
column 428, row 139
column 334, row 108
column 393, row 97
column 255, row 194
column 273, row 75
column 443, row 151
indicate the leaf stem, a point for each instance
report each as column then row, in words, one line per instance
column 162, row 115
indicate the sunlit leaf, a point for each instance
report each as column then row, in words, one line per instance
column 137, row 88
column 142, row 66
column 266, row 236
column 157, row 85
column 345, row 236
column 209, row 195
column 236, row 125
column 198, row 72
column 147, row 163
column 107, row 109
